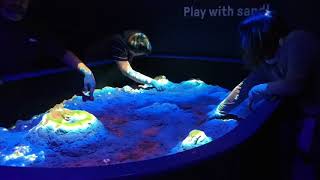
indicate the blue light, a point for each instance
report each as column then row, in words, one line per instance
column 21, row 155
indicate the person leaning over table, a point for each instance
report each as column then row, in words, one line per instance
column 123, row 48
column 21, row 47
column 285, row 64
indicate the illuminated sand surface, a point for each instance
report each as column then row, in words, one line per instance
column 121, row 125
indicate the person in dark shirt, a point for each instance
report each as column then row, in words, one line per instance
column 123, row 48
column 285, row 65
column 21, row 48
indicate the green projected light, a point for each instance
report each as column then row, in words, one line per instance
column 65, row 119
column 195, row 138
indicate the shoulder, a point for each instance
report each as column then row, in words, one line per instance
column 300, row 36
column 302, row 48
column 302, row 43
column 117, row 41
column 119, row 48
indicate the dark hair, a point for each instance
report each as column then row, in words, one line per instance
column 138, row 42
column 259, row 35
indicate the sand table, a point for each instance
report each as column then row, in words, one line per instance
column 121, row 125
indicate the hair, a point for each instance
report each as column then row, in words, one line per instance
column 138, row 42
column 259, row 35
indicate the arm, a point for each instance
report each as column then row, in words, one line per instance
column 52, row 48
column 301, row 55
column 127, row 71
column 239, row 93
column 231, row 101
column 73, row 61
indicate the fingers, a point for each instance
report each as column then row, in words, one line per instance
column 231, row 116
column 85, row 94
column 214, row 116
column 92, row 88
column 88, row 95
column 88, row 90
column 223, row 117
column 85, row 87
column 160, row 88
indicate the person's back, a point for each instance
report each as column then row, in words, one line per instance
column 286, row 66
column 115, row 47
column 297, row 60
column 305, row 47
column 312, row 100
column 122, row 48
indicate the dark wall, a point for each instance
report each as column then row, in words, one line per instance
column 171, row 31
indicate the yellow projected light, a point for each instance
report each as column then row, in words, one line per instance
column 195, row 138
column 65, row 119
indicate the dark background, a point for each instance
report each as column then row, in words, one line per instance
column 79, row 23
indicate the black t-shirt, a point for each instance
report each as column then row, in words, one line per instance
column 114, row 48
column 23, row 50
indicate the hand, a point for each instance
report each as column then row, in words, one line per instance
column 89, row 86
column 214, row 114
column 257, row 93
column 158, row 85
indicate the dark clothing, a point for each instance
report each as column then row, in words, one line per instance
column 23, row 50
column 114, row 48
column 292, row 72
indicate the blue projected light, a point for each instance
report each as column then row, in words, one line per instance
column 21, row 155
column 195, row 139
column 121, row 125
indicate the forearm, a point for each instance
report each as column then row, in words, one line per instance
column 231, row 101
column 138, row 77
column 126, row 69
column 74, row 62
column 285, row 87
column 240, row 92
